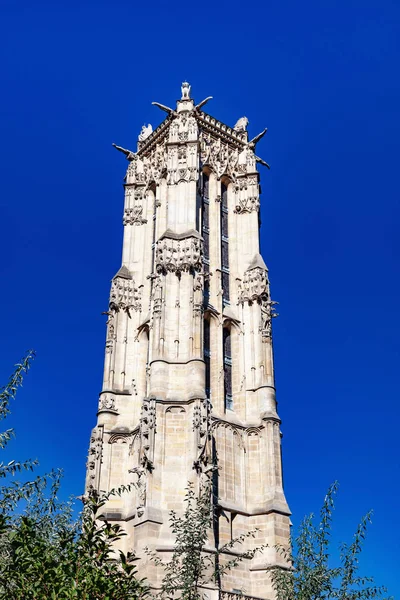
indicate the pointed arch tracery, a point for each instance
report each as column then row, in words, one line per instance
column 230, row 459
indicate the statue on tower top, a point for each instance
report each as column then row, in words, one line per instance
column 241, row 124
column 185, row 90
column 145, row 132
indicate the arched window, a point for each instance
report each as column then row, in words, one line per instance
column 153, row 242
column 143, row 360
column 224, row 244
column 207, row 356
column 227, row 353
column 205, row 230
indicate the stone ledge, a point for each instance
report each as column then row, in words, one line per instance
column 172, row 235
column 150, row 515
column 271, row 506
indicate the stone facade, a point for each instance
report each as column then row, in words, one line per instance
column 188, row 375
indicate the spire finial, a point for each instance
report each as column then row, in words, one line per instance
column 185, row 88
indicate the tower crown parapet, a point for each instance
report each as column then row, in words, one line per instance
column 236, row 135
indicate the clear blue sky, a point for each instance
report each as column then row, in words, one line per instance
column 323, row 76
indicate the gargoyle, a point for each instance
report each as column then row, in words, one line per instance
column 166, row 109
column 252, row 143
column 262, row 162
column 202, row 103
column 128, row 153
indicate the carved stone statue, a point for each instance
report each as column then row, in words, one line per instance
column 241, row 124
column 145, row 132
column 141, row 487
column 185, row 90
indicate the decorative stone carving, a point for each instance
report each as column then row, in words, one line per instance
column 106, row 403
column 192, row 128
column 182, row 154
column 157, row 295
column 242, row 162
column 134, row 216
column 134, row 201
column 111, row 327
column 120, row 437
column 247, row 204
column 94, row 458
column 141, row 487
column 145, row 132
column 156, row 163
column 244, row 183
column 267, row 314
column 183, row 129
column 136, row 171
column 250, row 159
column 246, row 190
column 124, row 295
column 198, row 283
column 145, row 169
column 221, row 157
column 255, row 286
column 178, row 254
column 185, row 89
column 202, row 428
column 147, row 432
column 196, row 417
column 197, row 299
column 254, row 431
column 241, row 124
column 183, row 134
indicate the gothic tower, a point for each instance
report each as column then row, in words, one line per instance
column 188, row 374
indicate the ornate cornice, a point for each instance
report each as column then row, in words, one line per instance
column 179, row 252
column 228, row 134
column 237, row 425
column 124, row 294
column 255, row 286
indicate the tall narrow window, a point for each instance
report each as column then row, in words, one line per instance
column 143, row 358
column 207, row 356
column 206, row 231
column 224, row 244
column 227, row 369
column 153, row 244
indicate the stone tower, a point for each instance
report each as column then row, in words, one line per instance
column 188, row 374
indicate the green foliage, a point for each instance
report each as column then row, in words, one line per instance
column 44, row 552
column 309, row 575
column 13, row 491
column 191, row 566
column 7, row 393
